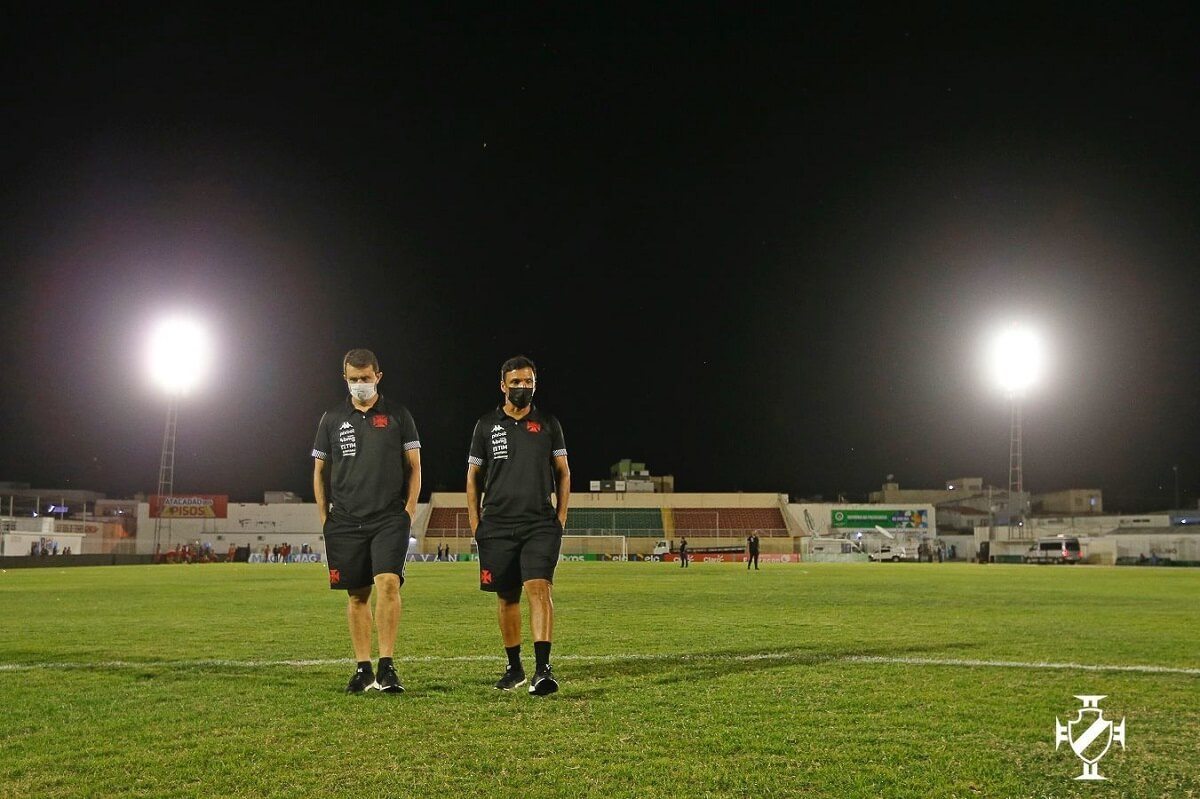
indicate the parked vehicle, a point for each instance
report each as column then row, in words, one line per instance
column 1059, row 549
column 894, row 553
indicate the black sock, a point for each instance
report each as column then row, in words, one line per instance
column 541, row 653
column 364, row 665
column 384, row 662
column 514, row 657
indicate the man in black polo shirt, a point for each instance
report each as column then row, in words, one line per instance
column 518, row 459
column 374, row 454
column 752, row 550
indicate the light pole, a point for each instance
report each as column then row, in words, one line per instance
column 177, row 359
column 1015, row 362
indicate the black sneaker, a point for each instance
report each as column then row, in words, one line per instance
column 513, row 678
column 388, row 681
column 543, row 683
column 363, row 680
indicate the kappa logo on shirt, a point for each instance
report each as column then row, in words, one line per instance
column 345, row 425
column 379, row 420
column 496, row 427
column 533, row 427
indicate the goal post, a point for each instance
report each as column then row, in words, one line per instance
column 603, row 547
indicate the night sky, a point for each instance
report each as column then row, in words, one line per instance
column 758, row 252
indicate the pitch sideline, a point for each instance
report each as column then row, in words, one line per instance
column 798, row 657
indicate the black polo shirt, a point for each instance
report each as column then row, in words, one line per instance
column 365, row 452
column 517, row 456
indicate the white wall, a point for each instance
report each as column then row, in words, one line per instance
column 18, row 543
column 250, row 523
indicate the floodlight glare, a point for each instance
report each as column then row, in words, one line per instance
column 179, row 354
column 1015, row 359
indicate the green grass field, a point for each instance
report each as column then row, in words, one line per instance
column 799, row 680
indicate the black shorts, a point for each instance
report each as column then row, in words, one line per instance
column 509, row 555
column 358, row 550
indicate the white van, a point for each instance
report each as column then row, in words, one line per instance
column 1059, row 549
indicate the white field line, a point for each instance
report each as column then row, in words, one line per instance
column 799, row 657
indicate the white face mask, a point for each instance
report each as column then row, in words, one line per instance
column 363, row 392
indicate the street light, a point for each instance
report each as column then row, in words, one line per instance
column 177, row 360
column 1015, row 362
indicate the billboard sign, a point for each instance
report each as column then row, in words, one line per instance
column 865, row 519
column 189, row 506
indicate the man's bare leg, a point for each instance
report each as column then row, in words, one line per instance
column 387, row 613
column 541, row 609
column 358, row 616
column 541, row 621
column 508, row 612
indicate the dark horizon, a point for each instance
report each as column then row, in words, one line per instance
column 757, row 252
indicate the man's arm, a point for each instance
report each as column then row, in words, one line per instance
column 319, row 488
column 473, row 496
column 562, row 473
column 413, row 456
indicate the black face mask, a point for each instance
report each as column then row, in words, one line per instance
column 520, row 397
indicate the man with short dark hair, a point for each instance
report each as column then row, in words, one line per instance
column 374, row 456
column 518, row 459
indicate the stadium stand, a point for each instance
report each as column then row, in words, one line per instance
column 729, row 522
column 625, row 521
column 704, row 519
column 451, row 522
column 448, row 523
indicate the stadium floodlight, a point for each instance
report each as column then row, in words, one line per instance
column 178, row 358
column 179, row 354
column 1015, row 359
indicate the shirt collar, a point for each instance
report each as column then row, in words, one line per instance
column 380, row 405
column 533, row 414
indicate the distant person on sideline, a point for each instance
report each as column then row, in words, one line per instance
column 518, row 458
column 374, row 456
column 752, row 550
column 685, row 557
